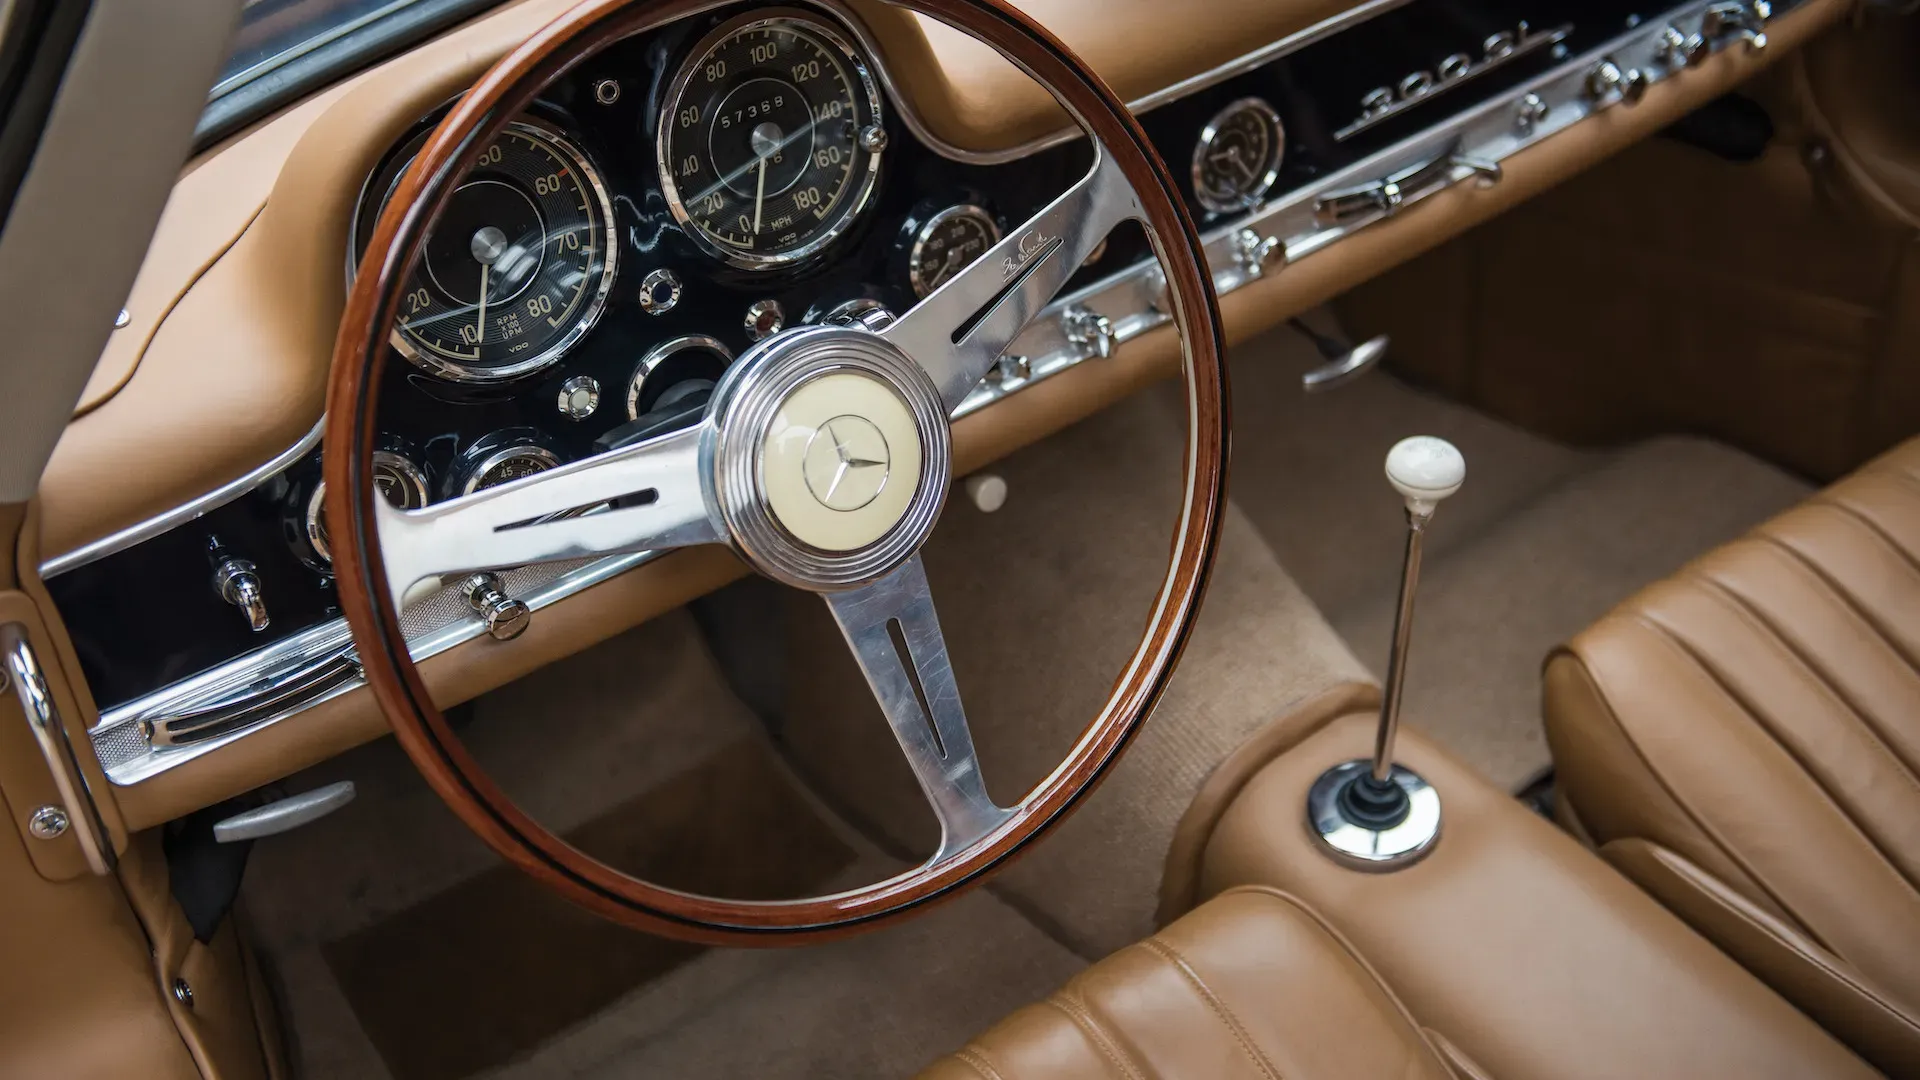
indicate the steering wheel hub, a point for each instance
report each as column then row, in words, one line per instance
column 831, row 456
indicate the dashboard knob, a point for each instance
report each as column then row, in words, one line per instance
column 1604, row 81
column 506, row 617
column 1090, row 330
column 1678, row 50
column 237, row 582
column 1634, row 86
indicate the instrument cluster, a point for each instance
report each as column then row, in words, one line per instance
column 685, row 194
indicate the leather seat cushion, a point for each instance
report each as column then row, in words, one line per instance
column 1251, row 985
column 1744, row 738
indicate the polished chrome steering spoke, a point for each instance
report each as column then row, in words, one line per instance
column 642, row 497
column 959, row 331
column 895, row 635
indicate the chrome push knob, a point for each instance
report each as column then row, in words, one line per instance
column 1090, row 330
column 1604, row 81
column 1372, row 814
column 506, row 617
column 1678, row 50
column 237, row 582
column 1745, row 21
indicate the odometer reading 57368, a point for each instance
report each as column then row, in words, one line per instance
column 769, row 139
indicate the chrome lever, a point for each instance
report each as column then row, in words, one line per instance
column 1387, row 195
column 283, row 815
column 1343, row 364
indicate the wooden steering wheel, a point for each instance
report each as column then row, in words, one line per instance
column 748, row 476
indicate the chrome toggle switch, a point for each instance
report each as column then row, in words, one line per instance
column 1678, row 50
column 1253, row 253
column 506, row 617
column 238, row 583
column 1745, row 21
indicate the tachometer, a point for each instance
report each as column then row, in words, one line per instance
column 770, row 139
column 517, row 268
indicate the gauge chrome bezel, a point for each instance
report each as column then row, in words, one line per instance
column 478, row 471
column 405, row 474
column 457, row 371
column 925, row 233
column 856, row 203
column 1275, row 129
column 660, row 354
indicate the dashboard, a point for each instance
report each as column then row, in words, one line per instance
column 694, row 189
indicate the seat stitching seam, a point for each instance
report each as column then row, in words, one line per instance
column 1827, row 499
column 1820, row 962
column 1712, row 834
column 1751, row 615
column 1083, row 1018
column 1846, row 597
column 978, row 1062
column 1680, row 646
column 1218, row 1007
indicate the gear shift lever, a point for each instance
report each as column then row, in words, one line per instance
column 1373, row 814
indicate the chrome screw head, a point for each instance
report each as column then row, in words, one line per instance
column 659, row 291
column 873, row 138
column 606, row 91
column 579, row 397
column 765, row 318
column 48, row 823
column 183, row 992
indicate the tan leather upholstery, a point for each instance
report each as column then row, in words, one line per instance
column 1508, row 952
column 1525, row 951
column 1744, row 738
column 1252, row 985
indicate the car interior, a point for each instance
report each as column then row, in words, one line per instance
column 971, row 539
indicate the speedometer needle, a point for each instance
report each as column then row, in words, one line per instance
column 480, row 334
column 759, row 194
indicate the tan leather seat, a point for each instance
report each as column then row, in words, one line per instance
column 1251, row 985
column 1744, row 740
column 1508, row 952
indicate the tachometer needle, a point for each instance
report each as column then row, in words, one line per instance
column 480, row 323
column 759, row 194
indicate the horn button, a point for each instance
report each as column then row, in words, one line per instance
column 831, row 456
column 841, row 463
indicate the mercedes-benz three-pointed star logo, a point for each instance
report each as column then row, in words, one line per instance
column 846, row 463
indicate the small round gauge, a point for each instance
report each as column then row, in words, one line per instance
column 395, row 477
column 770, row 139
column 506, row 464
column 1238, row 156
column 518, row 267
column 948, row 243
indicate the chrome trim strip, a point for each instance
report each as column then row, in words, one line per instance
column 316, row 641
column 1130, row 298
column 185, row 512
column 22, row 669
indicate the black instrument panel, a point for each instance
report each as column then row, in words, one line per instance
column 653, row 295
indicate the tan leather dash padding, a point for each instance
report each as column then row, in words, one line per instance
column 1758, row 716
column 236, row 373
column 1531, row 954
column 1254, row 985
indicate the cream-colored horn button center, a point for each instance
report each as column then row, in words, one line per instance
column 841, row 463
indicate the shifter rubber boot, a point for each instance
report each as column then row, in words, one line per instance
column 1374, row 804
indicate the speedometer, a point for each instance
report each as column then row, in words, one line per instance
column 770, row 139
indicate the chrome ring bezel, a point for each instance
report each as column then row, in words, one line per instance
column 403, row 470
column 659, row 354
column 732, row 456
column 1276, row 130
column 456, row 371
column 925, row 233
column 477, row 471
column 857, row 203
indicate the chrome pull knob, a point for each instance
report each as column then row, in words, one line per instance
column 1678, row 50
column 1604, row 81
column 237, row 582
column 1090, row 330
column 1252, row 252
column 506, row 617
column 1746, row 21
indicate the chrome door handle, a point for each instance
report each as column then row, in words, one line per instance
column 22, row 670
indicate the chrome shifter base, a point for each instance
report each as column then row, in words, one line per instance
column 1364, row 846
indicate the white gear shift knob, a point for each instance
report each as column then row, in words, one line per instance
column 1424, row 470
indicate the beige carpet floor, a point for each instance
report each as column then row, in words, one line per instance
column 1041, row 602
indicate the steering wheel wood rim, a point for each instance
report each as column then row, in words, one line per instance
column 365, row 591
